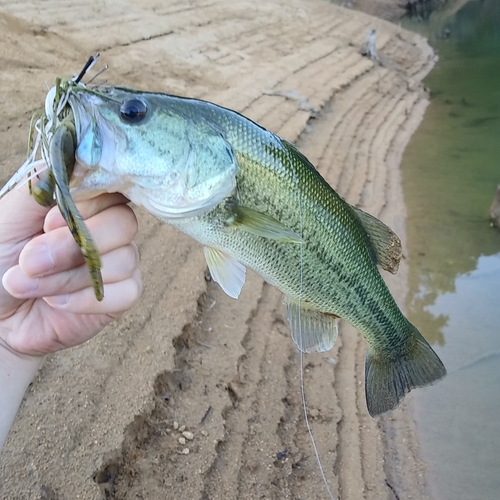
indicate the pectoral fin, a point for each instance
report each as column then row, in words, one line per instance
column 260, row 224
column 386, row 243
column 226, row 271
column 312, row 330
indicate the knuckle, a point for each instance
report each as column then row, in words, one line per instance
column 137, row 286
column 70, row 281
column 130, row 260
column 128, row 222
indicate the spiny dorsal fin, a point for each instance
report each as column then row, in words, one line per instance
column 386, row 243
column 312, row 330
column 260, row 224
column 226, row 271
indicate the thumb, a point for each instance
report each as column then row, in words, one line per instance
column 21, row 217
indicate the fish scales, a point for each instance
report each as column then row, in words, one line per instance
column 253, row 201
column 274, row 180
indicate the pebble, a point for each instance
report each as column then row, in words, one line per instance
column 204, row 433
column 176, row 425
column 188, row 435
column 182, row 440
column 182, row 428
column 332, row 361
column 185, row 451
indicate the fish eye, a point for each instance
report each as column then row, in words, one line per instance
column 133, row 111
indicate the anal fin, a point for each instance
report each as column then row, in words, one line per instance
column 226, row 271
column 312, row 330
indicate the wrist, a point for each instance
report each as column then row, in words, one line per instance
column 16, row 373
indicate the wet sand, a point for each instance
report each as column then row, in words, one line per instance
column 99, row 420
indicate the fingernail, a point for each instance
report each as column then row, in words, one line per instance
column 58, row 300
column 38, row 260
column 53, row 216
column 18, row 284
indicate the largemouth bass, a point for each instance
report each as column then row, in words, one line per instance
column 252, row 200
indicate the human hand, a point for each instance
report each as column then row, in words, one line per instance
column 46, row 301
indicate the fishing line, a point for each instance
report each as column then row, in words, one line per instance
column 301, row 362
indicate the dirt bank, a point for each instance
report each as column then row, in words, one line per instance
column 385, row 9
column 392, row 10
column 105, row 413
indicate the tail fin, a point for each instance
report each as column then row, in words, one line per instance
column 388, row 380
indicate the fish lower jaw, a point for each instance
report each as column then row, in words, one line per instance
column 169, row 206
column 166, row 210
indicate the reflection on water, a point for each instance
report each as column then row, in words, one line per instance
column 459, row 418
column 450, row 172
column 472, row 316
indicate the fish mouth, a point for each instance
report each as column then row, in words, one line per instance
column 113, row 156
column 97, row 149
column 95, row 138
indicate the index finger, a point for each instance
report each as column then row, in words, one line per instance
column 56, row 251
column 87, row 209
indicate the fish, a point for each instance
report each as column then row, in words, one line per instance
column 252, row 199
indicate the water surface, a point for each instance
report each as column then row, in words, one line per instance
column 450, row 172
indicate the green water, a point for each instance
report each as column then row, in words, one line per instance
column 450, row 172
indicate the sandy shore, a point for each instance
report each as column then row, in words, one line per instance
column 98, row 422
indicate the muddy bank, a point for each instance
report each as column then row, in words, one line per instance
column 227, row 370
column 393, row 10
column 385, row 9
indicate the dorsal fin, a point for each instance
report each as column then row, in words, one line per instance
column 312, row 330
column 386, row 243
